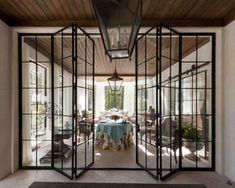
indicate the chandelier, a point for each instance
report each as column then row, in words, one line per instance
column 119, row 22
column 115, row 82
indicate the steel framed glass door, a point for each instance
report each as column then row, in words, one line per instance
column 157, row 62
column 146, row 103
column 169, row 101
column 73, row 101
column 84, row 101
column 175, row 97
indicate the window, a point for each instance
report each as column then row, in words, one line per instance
column 114, row 100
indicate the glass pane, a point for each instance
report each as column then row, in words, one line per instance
column 204, row 48
column 81, row 150
column 44, row 153
column 29, row 153
column 151, row 45
column 189, row 156
column 29, row 48
column 81, row 74
column 81, row 46
column 89, row 51
column 67, row 101
column 44, row 48
column 188, row 42
column 29, row 127
column 44, row 128
column 151, row 157
column 29, row 74
column 29, row 101
column 140, row 51
column 205, row 155
column 151, row 72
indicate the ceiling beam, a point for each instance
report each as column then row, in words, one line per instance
column 3, row 17
column 145, row 23
column 185, row 22
column 53, row 23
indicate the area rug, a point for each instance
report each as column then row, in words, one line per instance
column 110, row 185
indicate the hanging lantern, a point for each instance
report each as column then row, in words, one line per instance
column 115, row 82
column 119, row 22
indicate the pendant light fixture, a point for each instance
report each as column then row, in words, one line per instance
column 115, row 82
column 119, row 22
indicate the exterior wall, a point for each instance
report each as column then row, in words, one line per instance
column 5, row 100
column 229, row 102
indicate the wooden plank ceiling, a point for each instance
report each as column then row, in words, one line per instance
column 103, row 67
column 64, row 12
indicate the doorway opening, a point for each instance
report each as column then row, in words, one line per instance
column 174, row 103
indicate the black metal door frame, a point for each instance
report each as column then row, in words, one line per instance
column 75, row 124
column 159, row 167
column 21, row 35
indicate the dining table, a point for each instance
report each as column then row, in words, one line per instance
column 113, row 134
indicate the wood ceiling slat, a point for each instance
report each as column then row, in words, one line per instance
column 53, row 9
column 37, row 10
column 172, row 10
column 79, row 9
column 186, row 8
column 64, row 12
column 152, row 9
column 230, row 4
column 165, row 11
column 73, row 11
column 101, row 57
column 88, row 9
column 198, row 9
column 14, row 10
column 213, row 8
column 59, row 9
column 124, row 66
column 43, row 5
column 158, row 8
column 24, row 7
column 230, row 16
column 64, row 8
column 146, row 4
column 83, row 7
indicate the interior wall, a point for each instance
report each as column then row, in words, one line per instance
column 5, row 100
column 229, row 101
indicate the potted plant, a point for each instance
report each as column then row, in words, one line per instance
column 192, row 140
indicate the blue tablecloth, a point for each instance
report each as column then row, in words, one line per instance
column 115, row 130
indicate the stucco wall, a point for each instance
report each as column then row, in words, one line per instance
column 229, row 102
column 5, row 100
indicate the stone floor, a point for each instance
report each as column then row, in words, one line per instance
column 23, row 178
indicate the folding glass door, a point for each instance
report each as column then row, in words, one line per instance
column 175, row 92
column 146, row 92
column 158, row 117
column 63, row 101
column 175, row 101
column 169, row 101
column 73, row 87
